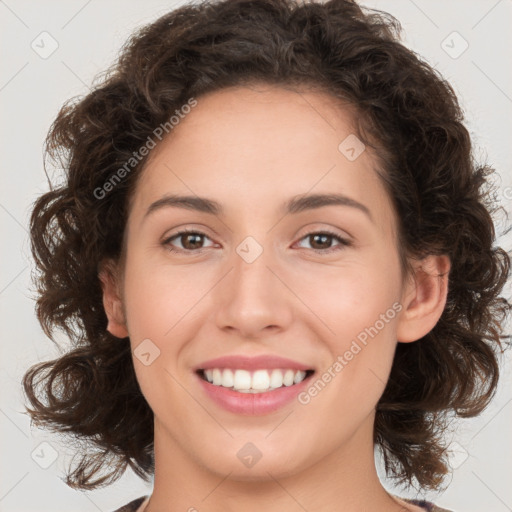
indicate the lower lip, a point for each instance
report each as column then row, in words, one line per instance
column 253, row 403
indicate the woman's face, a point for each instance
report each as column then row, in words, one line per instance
column 257, row 279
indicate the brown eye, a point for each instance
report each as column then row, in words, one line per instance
column 321, row 242
column 190, row 241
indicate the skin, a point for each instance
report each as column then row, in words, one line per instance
column 251, row 149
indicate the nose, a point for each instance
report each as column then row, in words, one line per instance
column 254, row 299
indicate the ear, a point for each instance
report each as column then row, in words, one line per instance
column 424, row 298
column 112, row 301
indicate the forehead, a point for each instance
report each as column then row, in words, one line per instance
column 257, row 147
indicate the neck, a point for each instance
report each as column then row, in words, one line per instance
column 345, row 480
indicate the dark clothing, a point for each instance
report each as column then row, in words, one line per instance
column 428, row 506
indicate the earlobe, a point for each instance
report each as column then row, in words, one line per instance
column 424, row 298
column 112, row 302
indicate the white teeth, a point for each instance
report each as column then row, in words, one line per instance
column 288, row 377
column 298, row 377
column 227, row 379
column 257, row 382
column 276, row 379
column 260, row 380
column 217, row 377
column 242, row 379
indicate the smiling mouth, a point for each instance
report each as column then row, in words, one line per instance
column 257, row 381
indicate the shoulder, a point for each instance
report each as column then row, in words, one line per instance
column 419, row 504
column 132, row 506
column 426, row 505
column 439, row 509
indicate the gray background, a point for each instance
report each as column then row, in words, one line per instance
column 89, row 35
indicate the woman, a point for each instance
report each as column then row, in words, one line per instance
column 274, row 252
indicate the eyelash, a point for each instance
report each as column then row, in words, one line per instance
column 343, row 242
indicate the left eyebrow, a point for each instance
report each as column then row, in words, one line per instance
column 309, row 202
column 296, row 204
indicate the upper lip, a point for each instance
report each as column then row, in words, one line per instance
column 253, row 363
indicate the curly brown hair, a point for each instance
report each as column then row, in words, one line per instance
column 406, row 111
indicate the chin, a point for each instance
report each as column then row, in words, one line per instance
column 260, row 468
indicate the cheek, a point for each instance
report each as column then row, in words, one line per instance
column 360, row 307
column 158, row 305
column 152, row 297
column 351, row 300
column 156, row 324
